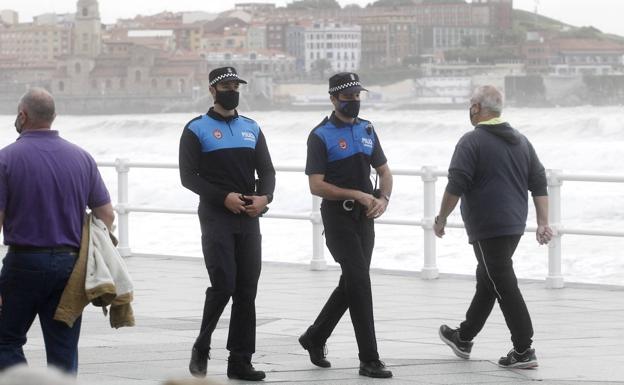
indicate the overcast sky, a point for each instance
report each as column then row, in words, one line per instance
column 606, row 15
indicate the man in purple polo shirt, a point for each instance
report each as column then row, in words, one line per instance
column 46, row 184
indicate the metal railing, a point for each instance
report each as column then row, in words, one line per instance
column 429, row 176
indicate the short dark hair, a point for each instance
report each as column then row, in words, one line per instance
column 39, row 105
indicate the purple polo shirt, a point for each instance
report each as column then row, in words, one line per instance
column 46, row 183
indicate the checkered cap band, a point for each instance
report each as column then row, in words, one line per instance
column 344, row 86
column 224, row 76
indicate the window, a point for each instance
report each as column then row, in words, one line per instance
column 61, row 86
column 85, row 11
column 77, row 68
column 137, row 76
column 154, row 83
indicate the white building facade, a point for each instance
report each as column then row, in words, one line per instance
column 334, row 46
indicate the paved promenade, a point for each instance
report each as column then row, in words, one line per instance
column 579, row 331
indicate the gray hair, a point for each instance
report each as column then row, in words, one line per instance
column 489, row 98
column 24, row 375
column 39, row 105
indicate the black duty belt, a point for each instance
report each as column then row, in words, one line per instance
column 346, row 205
column 43, row 250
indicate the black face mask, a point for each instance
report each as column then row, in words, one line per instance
column 350, row 108
column 227, row 99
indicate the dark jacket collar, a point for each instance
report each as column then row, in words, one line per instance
column 217, row 116
column 339, row 123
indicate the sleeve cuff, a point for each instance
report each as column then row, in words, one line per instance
column 219, row 198
column 453, row 188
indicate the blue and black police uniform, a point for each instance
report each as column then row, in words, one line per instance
column 220, row 155
column 344, row 154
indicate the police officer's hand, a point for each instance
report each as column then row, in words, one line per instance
column 235, row 203
column 376, row 208
column 258, row 203
column 365, row 199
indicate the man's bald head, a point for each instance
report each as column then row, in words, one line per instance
column 38, row 105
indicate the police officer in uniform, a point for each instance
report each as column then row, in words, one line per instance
column 341, row 151
column 220, row 154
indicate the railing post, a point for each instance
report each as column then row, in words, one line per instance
column 554, row 280
column 121, row 165
column 318, row 246
column 430, row 269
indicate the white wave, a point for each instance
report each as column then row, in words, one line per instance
column 580, row 139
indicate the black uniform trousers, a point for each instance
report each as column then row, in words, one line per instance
column 496, row 280
column 350, row 238
column 231, row 245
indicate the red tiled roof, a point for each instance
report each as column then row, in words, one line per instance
column 591, row 45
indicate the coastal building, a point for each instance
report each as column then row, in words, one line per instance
column 586, row 57
column 546, row 54
column 9, row 17
column 335, row 45
column 36, row 42
column 87, row 29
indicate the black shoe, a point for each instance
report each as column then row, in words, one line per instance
column 375, row 369
column 317, row 353
column 451, row 338
column 199, row 362
column 243, row 370
column 524, row 360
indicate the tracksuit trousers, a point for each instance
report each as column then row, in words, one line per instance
column 496, row 280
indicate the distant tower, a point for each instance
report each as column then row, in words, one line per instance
column 87, row 29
